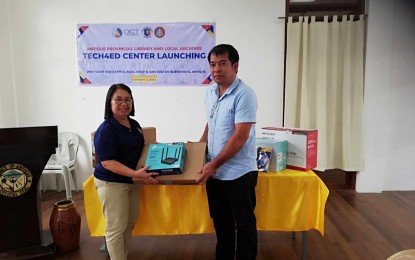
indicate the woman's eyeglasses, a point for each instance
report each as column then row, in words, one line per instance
column 119, row 101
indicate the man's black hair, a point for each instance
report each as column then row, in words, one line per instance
column 223, row 49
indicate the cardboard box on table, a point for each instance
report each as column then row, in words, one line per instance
column 301, row 145
column 193, row 161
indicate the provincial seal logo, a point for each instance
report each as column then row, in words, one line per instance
column 15, row 180
column 147, row 31
column 159, row 32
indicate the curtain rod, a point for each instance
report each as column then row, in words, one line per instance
column 321, row 16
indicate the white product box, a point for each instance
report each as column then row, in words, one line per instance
column 301, row 145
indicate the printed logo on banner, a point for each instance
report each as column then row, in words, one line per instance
column 147, row 31
column 117, row 32
column 159, row 54
column 131, row 32
column 159, row 32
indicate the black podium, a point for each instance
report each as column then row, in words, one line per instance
column 24, row 153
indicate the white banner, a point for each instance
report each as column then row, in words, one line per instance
column 155, row 54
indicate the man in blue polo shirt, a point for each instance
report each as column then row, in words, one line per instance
column 231, row 173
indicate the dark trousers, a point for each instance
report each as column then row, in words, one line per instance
column 231, row 206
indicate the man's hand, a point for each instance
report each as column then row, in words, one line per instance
column 206, row 172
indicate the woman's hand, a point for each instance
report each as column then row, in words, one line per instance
column 146, row 177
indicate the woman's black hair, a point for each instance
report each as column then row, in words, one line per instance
column 108, row 112
column 223, row 49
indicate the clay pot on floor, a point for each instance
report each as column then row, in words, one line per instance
column 65, row 225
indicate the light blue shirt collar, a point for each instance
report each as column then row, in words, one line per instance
column 233, row 86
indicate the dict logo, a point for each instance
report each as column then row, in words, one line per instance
column 131, row 32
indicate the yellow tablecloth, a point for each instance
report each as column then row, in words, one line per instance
column 286, row 201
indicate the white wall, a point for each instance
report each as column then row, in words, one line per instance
column 43, row 68
column 389, row 98
column 39, row 79
column 7, row 104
